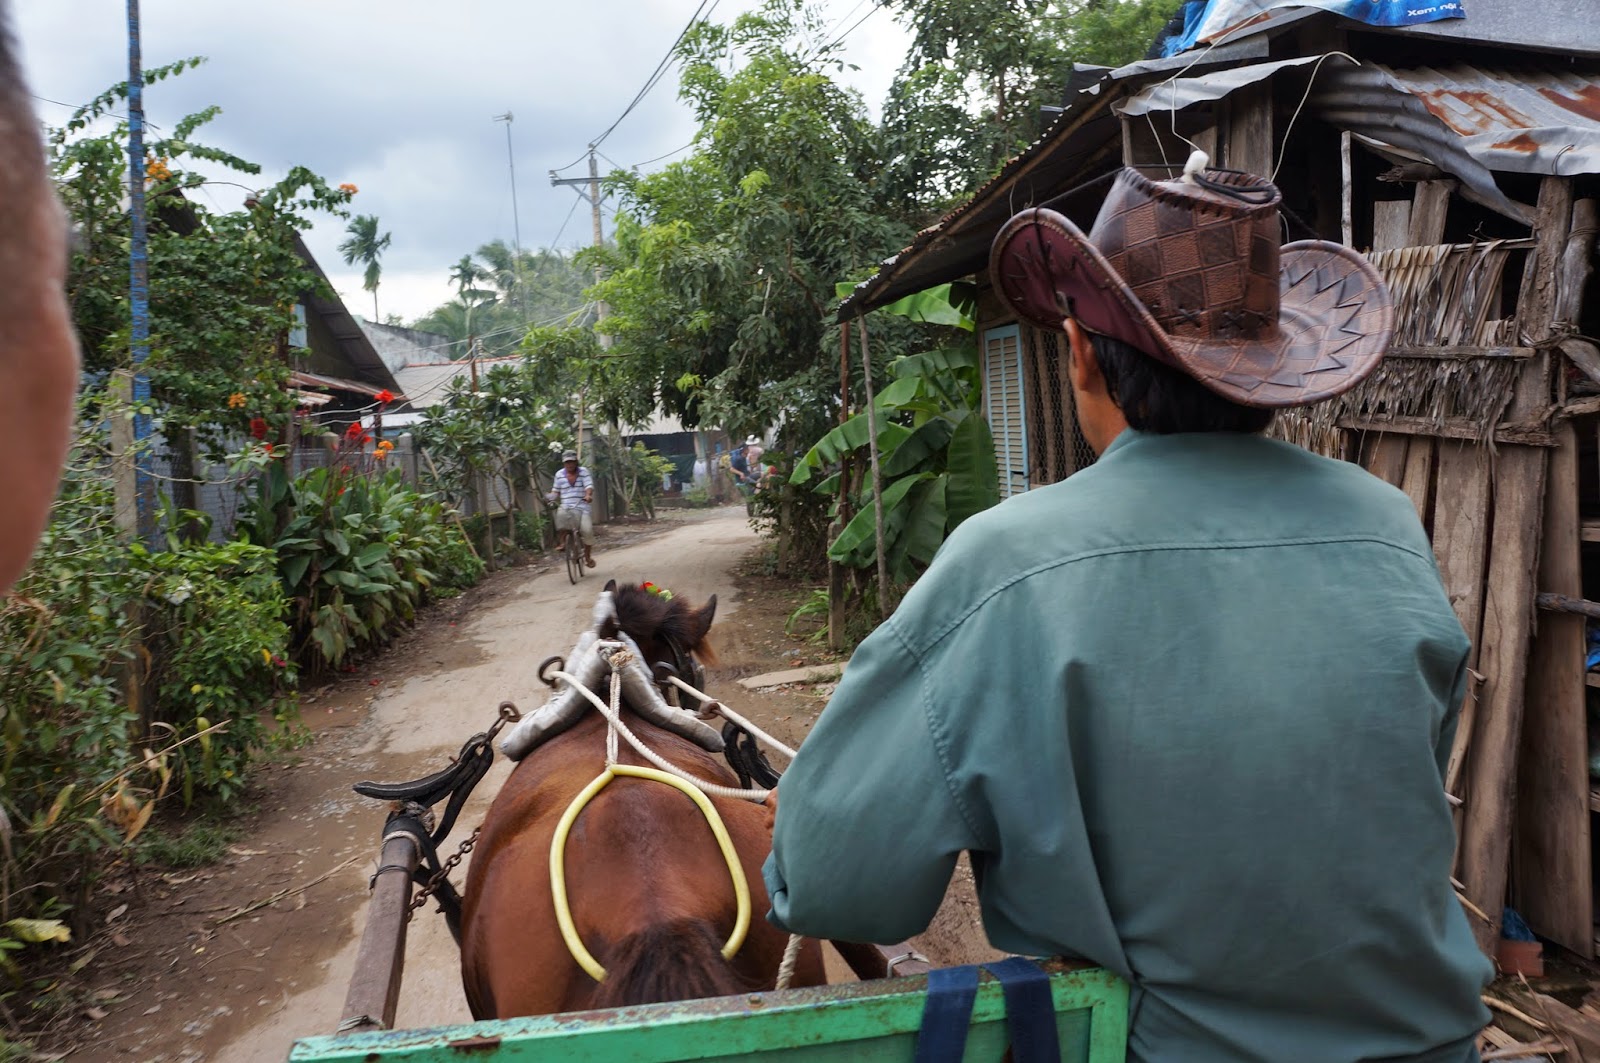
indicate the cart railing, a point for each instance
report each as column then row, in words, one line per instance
column 871, row 1021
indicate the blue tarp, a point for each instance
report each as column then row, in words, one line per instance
column 1204, row 22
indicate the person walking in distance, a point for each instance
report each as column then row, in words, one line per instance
column 574, row 491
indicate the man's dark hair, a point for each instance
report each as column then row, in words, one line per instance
column 1156, row 398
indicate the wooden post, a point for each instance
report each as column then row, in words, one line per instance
column 838, row 582
column 1461, row 544
column 1429, row 205
column 1519, row 482
column 1552, row 872
column 877, row 474
column 1347, row 213
column 1249, row 144
column 125, row 482
column 381, row 957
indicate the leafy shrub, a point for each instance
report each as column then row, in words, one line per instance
column 356, row 555
column 528, row 531
column 217, row 634
column 122, row 673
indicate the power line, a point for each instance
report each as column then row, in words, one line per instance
column 651, row 81
column 563, row 228
column 840, row 39
column 669, row 154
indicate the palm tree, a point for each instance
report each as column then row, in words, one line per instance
column 365, row 246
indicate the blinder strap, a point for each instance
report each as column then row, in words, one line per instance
column 1030, row 1012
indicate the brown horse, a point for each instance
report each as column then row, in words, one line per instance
column 650, row 893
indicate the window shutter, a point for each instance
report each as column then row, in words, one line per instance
column 1004, row 404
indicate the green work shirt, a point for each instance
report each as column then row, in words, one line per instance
column 1189, row 712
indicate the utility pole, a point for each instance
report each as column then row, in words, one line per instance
column 138, row 388
column 516, row 220
column 593, row 196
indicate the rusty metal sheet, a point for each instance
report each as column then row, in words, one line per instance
column 1524, row 121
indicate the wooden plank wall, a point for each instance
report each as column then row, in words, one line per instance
column 1552, row 873
column 1552, row 886
column 1495, row 528
column 1490, row 778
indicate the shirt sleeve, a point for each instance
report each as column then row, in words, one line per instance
column 868, row 829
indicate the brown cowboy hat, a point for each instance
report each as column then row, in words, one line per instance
column 1189, row 271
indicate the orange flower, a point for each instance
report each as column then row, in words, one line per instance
column 379, row 455
column 348, row 187
column 236, row 401
column 385, row 396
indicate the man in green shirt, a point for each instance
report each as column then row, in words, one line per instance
column 1189, row 710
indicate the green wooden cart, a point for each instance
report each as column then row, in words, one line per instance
column 857, row 1021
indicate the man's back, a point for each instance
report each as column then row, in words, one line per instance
column 1188, row 708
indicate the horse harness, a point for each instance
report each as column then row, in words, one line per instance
column 413, row 816
column 413, row 813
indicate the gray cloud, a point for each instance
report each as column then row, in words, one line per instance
column 398, row 96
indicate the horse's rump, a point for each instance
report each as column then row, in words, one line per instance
column 680, row 960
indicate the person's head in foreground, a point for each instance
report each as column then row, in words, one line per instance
column 1183, row 313
column 38, row 350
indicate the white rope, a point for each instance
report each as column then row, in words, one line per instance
column 649, row 754
column 791, row 956
column 711, row 706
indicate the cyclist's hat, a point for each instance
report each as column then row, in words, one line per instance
column 1190, row 273
column 571, row 455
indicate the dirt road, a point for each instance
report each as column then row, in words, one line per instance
column 189, row 976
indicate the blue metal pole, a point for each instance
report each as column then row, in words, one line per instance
column 139, row 270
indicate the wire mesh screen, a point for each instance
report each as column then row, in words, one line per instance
column 1059, row 449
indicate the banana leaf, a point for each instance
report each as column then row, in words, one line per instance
column 856, row 545
column 974, row 481
column 923, row 531
column 928, row 440
column 848, row 437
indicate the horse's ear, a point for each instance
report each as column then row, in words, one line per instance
column 700, row 619
column 611, row 586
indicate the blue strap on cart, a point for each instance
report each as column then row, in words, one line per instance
column 1030, row 1012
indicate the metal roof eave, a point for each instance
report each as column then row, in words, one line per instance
column 958, row 244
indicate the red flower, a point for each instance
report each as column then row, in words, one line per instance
column 354, row 431
column 267, row 447
column 366, row 439
column 385, row 396
column 258, row 427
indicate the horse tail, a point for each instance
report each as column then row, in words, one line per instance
column 680, row 960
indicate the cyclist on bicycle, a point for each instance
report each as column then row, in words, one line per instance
column 574, row 488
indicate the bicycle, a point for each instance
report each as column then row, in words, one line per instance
column 572, row 549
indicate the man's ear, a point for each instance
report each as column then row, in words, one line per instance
column 1083, row 367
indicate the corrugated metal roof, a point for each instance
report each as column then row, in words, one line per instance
column 1523, row 121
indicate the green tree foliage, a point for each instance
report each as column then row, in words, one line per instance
column 502, row 295
column 977, row 75
column 223, row 284
column 364, row 245
column 721, row 282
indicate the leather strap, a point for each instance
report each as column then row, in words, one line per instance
column 1030, row 1012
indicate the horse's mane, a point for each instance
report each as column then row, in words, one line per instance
column 647, row 617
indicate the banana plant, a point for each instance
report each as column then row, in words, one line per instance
column 937, row 457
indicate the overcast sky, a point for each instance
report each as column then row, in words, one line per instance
column 397, row 96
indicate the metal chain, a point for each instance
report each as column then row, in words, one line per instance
column 439, row 877
column 507, row 713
